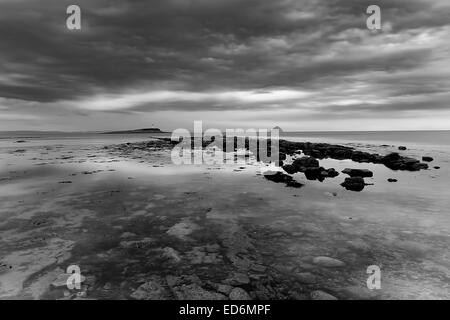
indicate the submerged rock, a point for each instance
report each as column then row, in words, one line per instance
column 392, row 180
column 195, row 292
column 401, row 148
column 61, row 280
column 151, row 290
column 427, row 159
column 306, row 277
column 238, row 279
column 328, row 262
column 239, row 294
column 321, row 295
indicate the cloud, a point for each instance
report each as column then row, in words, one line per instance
column 312, row 56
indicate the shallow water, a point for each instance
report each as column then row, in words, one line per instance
column 125, row 220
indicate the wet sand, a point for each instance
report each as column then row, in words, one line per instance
column 140, row 227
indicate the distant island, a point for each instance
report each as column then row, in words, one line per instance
column 145, row 130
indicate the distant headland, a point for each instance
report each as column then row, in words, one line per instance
column 144, row 130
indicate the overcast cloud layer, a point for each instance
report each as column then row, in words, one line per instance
column 302, row 65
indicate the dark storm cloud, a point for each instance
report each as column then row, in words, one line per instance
column 210, row 46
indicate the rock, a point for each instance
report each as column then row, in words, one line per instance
column 182, row 229
column 332, row 173
column 306, row 277
column 289, row 168
column 171, row 254
column 328, row 262
column 396, row 162
column 138, row 244
column 358, row 172
column 280, row 177
column 258, row 268
column 61, row 280
column 127, row 235
column 401, row 148
column 195, row 292
column 238, row 279
column 305, row 162
column 436, row 167
column 239, row 294
column 151, row 290
column 354, row 184
column 427, row 159
column 294, row 184
column 321, row 295
column 277, row 177
column 223, row 288
column 317, row 173
column 392, row 180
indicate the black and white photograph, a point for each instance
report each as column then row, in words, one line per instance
column 226, row 150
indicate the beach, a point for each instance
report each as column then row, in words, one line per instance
column 140, row 227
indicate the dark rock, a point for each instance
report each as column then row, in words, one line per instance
column 358, row 172
column 396, row 162
column 305, row 162
column 332, row 173
column 354, row 184
column 280, row 177
column 436, row 167
column 289, row 168
column 315, row 173
column 294, row 184
column 392, row 180
column 401, row 148
column 427, row 159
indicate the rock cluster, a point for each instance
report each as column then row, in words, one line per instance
column 280, row 177
column 393, row 160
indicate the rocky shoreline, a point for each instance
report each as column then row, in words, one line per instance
column 207, row 234
column 305, row 158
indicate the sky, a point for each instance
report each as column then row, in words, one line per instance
column 306, row 65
